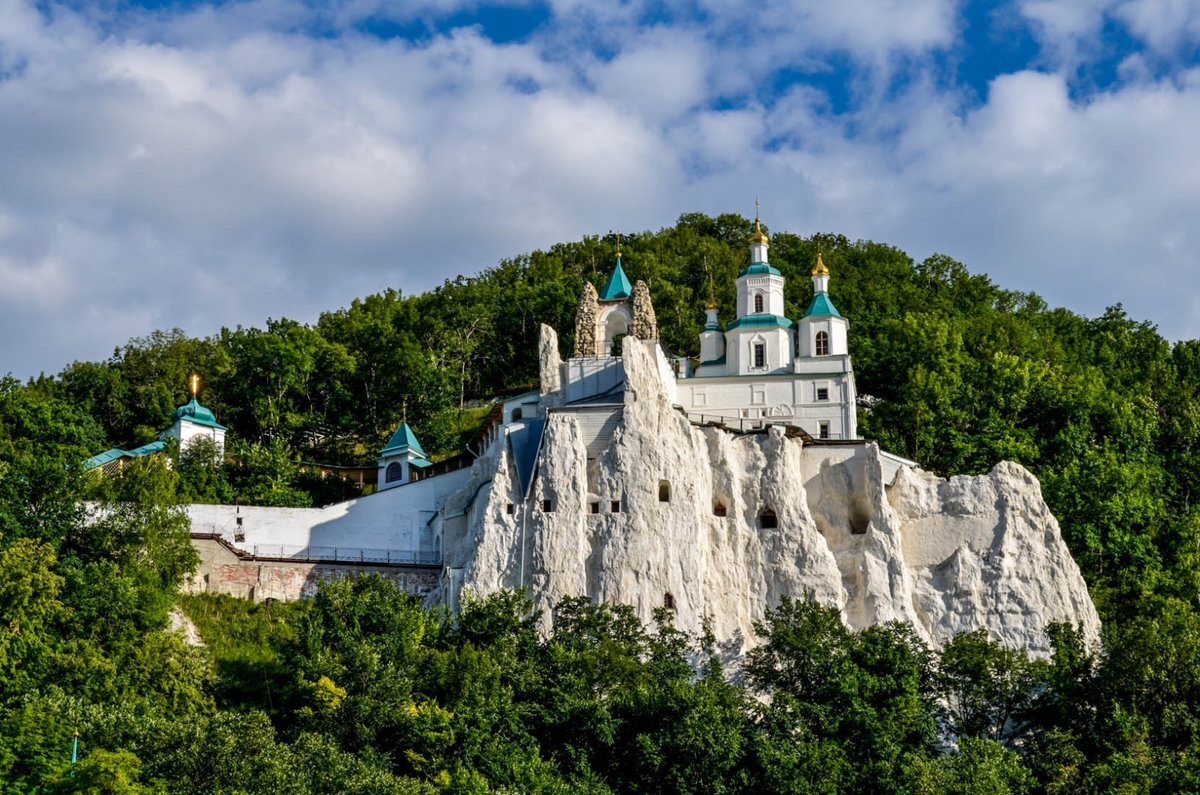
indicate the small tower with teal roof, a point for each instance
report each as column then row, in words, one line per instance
column 822, row 331
column 759, row 340
column 399, row 456
column 194, row 420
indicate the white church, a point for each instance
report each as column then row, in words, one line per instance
column 763, row 368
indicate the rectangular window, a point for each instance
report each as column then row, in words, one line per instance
column 595, row 507
column 548, row 506
column 760, row 354
column 822, row 393
column 824, row 430
column 616, row 506
column 510, row 509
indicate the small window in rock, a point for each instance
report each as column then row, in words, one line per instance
column 767, row 520
column 664, row 491
column 616, row 506
column 822, row 393
column 719, row 509
column 669, row 600
column 516, row 414
column 594, row 507
column 824, row 430
column 510, row 509
column 548, row 506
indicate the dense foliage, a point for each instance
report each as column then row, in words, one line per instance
column 361, row 691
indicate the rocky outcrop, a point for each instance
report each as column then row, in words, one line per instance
column 720, row 526
column 645, row 325
column 549, row 362
column 585, row 321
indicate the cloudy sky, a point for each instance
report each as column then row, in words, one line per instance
column 206, row 164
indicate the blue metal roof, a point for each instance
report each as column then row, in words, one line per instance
column 821, row 305
column 618, row 286
column 526, row 441
column 761, row 321
column 402, row 441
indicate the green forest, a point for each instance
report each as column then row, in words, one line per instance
column 359, row 690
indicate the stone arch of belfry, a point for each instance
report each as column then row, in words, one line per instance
column 615, row 321
column 599, row 323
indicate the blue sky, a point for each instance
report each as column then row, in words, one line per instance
column 208, row 164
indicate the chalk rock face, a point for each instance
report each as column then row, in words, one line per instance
column 721, row 526
column 548, row 360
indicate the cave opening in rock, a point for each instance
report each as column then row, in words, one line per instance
column 664, row 491
column 767, row 520
column 719, row 508
column 860, row 515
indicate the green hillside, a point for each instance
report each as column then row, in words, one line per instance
column 359, row 691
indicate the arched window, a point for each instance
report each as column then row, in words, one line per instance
column 767, row 519
column 822, row 343
column 719, row 508
column 516, row 414
column 758, row 302
column 664, row 491
column 669, row 600
column 394, row 472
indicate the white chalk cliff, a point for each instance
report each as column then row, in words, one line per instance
column 852, row 529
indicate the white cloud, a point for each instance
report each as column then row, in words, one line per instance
column 217, row 169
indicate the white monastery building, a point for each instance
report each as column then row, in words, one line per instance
column 713, row 486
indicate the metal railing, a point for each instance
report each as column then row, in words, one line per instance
column 303, row 554
column 752, row 424
column 310, row 554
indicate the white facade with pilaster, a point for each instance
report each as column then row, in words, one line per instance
column 765, row 368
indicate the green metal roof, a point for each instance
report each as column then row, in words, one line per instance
column 618, row 286
column 147, row 449
column 192, row 411
column 108, row 456
column 761, row 321
column 403, row 440
column 757, row 269
column 821, row 305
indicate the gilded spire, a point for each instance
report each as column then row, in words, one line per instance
column 759, row 236
column 194, row 383
column 819, row 269
column 712, row 298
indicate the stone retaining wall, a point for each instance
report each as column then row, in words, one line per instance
column 221, row 571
